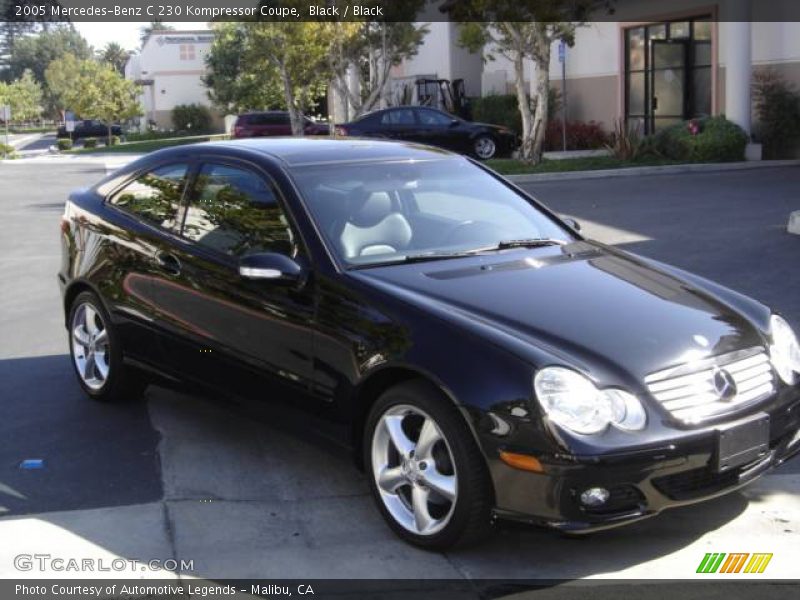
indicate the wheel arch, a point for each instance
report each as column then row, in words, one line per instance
column 73, row 290
column 377, row 382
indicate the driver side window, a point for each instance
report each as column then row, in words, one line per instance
column 236, row 212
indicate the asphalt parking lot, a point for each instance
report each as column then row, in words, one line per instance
column 178, row 476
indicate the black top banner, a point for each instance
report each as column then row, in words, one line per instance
column 396, row 10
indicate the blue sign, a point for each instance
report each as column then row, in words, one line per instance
column 562, row 51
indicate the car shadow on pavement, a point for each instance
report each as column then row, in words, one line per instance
column 245, row 495
column 94, row 455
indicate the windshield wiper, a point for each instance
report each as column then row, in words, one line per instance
column 426, row 256
column 525, row 243
column 414, row 258
column 431, row 256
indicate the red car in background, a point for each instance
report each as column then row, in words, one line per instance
column 273, row 123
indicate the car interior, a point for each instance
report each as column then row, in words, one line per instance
column 381, row 221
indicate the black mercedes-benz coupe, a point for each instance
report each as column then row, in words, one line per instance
column 425, row 125
column 481, row 357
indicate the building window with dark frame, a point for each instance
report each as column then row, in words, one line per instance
column 668, row 76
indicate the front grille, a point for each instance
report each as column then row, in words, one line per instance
column 689, row 391
column 695, row 483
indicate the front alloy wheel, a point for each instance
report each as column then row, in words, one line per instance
column 427, row 474
column 485, row 147
column 416, row 477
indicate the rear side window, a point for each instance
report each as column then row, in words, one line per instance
column 267, row 119
column 236, row 212
column 398, row 117
column 155, row 197
column 432, row 117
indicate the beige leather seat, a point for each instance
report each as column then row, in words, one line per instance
column 374, row 227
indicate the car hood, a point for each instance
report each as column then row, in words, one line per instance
column 594, row 306
column 500, row 128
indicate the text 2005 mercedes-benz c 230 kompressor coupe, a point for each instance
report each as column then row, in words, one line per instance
column 481, row 357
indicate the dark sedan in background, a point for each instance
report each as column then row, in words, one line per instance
column 434, row 127
column 481, row 357
column 273, row 123
column 89, row 128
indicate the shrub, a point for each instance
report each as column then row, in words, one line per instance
column 90, row 143
column 191, row 117
column 503, row 109
column 713, row 139
column 6, row 150
column 580, row 136
column 115, row 140
column 626, row 141
column 64, row 144
column 150, row 135
column 498, row 110
column 777, row 107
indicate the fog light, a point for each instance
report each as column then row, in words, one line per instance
column 595, row 497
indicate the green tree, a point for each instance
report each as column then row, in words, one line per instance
column 24, row 96
column 60, row 76
column 281, row 64
column 36, row 52
column 232, row 86
column 115, row 55
column 373, row 48
column 13, row 28
column 93, row 90
column 522, row 30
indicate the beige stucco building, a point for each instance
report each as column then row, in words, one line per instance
column 169, row 68
column 659, row 63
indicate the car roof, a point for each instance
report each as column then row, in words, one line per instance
column 296, row 151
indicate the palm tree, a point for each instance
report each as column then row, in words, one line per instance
column 115, row 55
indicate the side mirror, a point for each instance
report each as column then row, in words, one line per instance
column 454, row 122
column 572, row 223
column 272, row 266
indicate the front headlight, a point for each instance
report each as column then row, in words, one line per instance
column 573, row 402
column 784, row 350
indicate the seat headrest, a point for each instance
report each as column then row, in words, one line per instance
column 369, row 208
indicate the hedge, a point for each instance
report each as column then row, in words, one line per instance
column 713, row 139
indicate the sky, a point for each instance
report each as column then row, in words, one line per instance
column 125, row 34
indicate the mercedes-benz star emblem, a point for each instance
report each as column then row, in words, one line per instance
column 724, row 384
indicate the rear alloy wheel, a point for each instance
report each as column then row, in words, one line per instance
column 485, row 147
column 97, row 355
column 426, row 473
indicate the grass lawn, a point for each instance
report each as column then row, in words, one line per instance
column 510, row 166
column 149, row 145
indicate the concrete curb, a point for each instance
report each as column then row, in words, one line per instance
column 655, row 170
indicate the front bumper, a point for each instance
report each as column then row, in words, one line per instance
column 641, row 483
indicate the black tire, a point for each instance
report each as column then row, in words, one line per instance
column 123, row 383
column 484, row 147
column 470, row 520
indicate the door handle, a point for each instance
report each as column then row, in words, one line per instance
column 168, row 263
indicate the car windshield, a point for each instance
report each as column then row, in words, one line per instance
column 378, row 213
